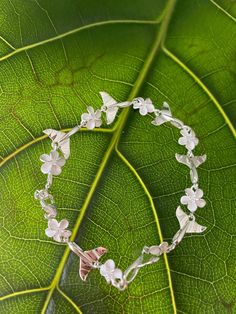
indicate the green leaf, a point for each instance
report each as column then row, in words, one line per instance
column 121, row 186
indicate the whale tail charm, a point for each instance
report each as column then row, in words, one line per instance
column 187, row 225
column 111, row 106
column 88, row 259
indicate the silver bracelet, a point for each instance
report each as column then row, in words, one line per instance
column 52, row 166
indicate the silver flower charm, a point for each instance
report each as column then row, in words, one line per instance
column 50, row 211
column 57, row 230
column 110, row 272
column 92, row 119
column 193, row 199
column 52, row 163
column 145, row 106
column 188, row 138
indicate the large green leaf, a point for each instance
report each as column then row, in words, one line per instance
column 121, row 186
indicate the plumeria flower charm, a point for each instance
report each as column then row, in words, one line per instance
column 110, row 272
column 188, row 138
column 50, row 211
column 193, row 199
column 57, row 230
column 92, row 119
column 52, row 163
column 145, row 106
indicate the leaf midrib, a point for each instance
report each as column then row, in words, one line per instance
column 160, row 37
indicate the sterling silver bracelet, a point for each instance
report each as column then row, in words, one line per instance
column 52, row 166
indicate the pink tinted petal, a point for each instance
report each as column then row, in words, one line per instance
column 90, row 110
column 90, row 124
column 98, row 123
column 103, row 270
column 50, row 233
column 106, row 273
column 201, row 203
column 61, row 162
column 66, row 233
column 143, row 110
column 55, row 170
column 182, row 141
column 184, row 200
column 148, row 101
column 150, row 107
column 45, row 157
column 85, row 116
column 53, row 224
column 110, row 265
column 46, row 168
column 63, row 224
column 190, row 192
column 98, row 114
column 190, row 145
column 117, row 273
column 199, row 193
column 54, row 155
column 57, row 237
column 192, row 206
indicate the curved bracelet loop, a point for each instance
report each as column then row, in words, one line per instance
column 52, row 166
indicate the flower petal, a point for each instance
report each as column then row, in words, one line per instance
column 190, row 145
column 63, row 224
column 55, row 170
column 45, row 157
column 61, row 162
column 117, row 273
column 54, row 155
column 91, row 110
column 199, row 193
column 192, row 206
column 184, row 200
column 110, row 265
column 98, row 114
column 66, row 233
column 201, row 203
column 90, row 124
column 46, row 168
column 53, row 224
column 57, row 237
column 49, row 232
column 85, row 116
column 190, row 192
column 98, row 123
column 103, row 270
column 143, row 110
column 149, row 106
column 182, row 141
